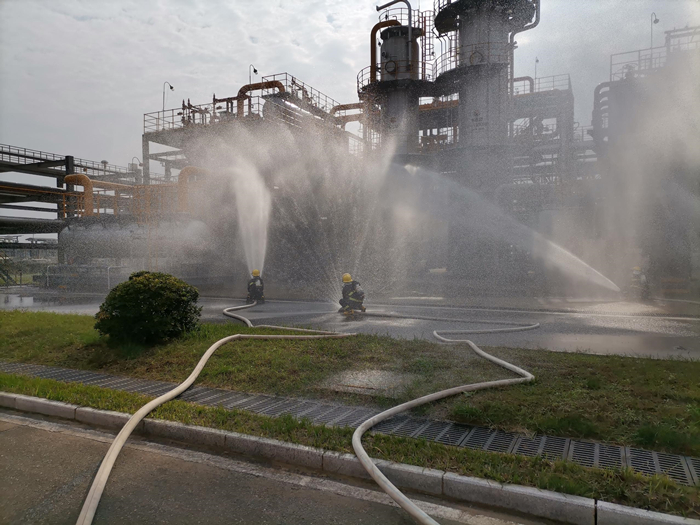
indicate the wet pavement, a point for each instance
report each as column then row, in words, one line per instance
column 652, row 329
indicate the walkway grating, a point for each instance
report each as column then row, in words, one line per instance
column 684, row 470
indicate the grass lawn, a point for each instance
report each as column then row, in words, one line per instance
column 631, row 401
column 625, row 487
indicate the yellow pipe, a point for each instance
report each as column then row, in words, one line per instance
column 373, row 46
column 86, row 183
column 250, row 87
column 182, row 185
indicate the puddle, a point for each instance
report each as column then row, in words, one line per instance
column 369, row 382
column 11, row 300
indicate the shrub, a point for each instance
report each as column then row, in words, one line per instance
column 150, row 307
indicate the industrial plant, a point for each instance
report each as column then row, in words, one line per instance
column 448, row 172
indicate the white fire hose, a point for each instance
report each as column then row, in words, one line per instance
column 93, row 498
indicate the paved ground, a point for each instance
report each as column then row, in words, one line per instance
column 46, row 470
column 654, row 329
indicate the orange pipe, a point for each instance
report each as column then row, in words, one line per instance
column 89, row 185
column 373, row 46
column 183, row 181
column 86, row 183
column 250, row 87
column 345, row 107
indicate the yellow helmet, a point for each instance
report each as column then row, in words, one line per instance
column 256, row 273
column 347, row 278
column 637, row 269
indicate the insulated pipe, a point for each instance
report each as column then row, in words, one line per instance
column 182, row 185
column 348, row 118
column 90, row 505
column 345, row 107
column 410, row 26
column 530, row 81
column 79, row 179
column 373, row 46
column 250, row 87
column 512, row 43
column 86, row 183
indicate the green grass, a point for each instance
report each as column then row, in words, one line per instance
column 644, row 402
column 631, row 401
column 657, row 493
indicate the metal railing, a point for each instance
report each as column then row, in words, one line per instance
column 643, row 61
column 395, row 70
column 18, row 155
column 541, row 84
column 301, row 91
column 472, row 55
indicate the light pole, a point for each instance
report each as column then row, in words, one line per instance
column 137, row 171
column 653, row 21
column 250, row 81
column 251, row 67
column 172, row 88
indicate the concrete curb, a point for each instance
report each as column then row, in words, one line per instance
column 533, row 502
column 611, row 514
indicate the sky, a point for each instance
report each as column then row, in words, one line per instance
column 77, row 76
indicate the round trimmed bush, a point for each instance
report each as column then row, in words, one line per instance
column 151, row 307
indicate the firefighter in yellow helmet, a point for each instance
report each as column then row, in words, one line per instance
column 353, row 296
column 255, row 289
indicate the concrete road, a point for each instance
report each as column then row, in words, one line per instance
column 653, row 329
column 610, row 328
column 46, row 469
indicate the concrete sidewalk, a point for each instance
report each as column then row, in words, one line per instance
column 48, row 467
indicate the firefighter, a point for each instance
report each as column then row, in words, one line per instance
column 353, row 296
column 255, row 288
column 639, row 283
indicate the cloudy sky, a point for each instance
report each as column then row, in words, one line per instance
column 77, row 76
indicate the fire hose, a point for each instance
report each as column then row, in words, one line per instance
column 93, row 498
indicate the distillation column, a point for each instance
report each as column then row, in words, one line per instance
column 480, row 69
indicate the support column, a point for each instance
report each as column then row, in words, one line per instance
column 145, row 155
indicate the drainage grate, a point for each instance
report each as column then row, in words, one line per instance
column 610, row 456
column 643, row 461
column 252, row 401
column 318, row 411
column 675, row 468
column 389, row 425
column 431, row 431
column 279, row 409
column 302, row 409
column 355, row 417
column 409, row 427
column 234, row 400
column 215, row 399
column 336, row 413
column 685, row 470
column 477, row 438
column 501, row 442
column 582, row 452
column 555, row 447
column 453, row 434
column 528, row 446
column 694, row 466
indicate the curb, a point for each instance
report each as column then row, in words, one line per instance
column 573, row 510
